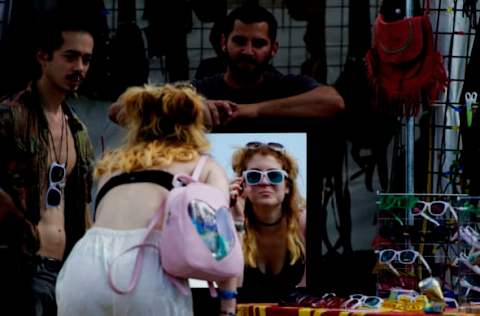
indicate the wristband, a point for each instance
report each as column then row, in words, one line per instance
column 226, row 295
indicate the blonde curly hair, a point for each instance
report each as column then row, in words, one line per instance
column 165, row 124
column 292, row 205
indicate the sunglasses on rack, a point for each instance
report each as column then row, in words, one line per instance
column 254, row 177
column 435, row 208
column 362, row 301
column 406, row 256
column 56, row 182
column 272, row 145
column 466, row 260
column 470, row 236
column 469, row 287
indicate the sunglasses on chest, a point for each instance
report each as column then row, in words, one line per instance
column 254, row 177
column 56, row 182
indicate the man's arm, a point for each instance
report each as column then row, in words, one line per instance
column 322, row 101
column 7, row 206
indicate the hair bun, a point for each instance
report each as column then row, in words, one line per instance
column 181, row 105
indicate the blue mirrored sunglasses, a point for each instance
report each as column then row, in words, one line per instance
column 254, row 177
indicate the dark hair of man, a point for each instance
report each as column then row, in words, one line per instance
column 48, row 32
column 53, row 23
column 251, row 13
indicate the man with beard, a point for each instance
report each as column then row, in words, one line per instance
column 45, row 170
column 249, row 89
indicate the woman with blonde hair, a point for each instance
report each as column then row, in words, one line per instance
column 265, row 198
column 166, row 136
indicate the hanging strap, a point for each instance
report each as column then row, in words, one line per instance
column 139, row 260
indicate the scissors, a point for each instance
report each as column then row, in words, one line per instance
column 470, row 99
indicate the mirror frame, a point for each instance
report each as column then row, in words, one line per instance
column 315, row 229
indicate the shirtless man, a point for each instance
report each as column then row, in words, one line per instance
column 45, row 170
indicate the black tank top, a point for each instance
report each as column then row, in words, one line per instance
column 267, row 287
column 159, row 177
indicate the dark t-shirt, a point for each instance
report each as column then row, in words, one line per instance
column 267, row 287
column 274, row 86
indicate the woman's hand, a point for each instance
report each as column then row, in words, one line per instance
column 228, row 307
column 237, row 199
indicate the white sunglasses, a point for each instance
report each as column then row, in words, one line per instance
column 406, row 256
column 274, row 176
column 463, row 258
column 434, row 208
column 56, row 182
column 360, row 300
column 470, row 287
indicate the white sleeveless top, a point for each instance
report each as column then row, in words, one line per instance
column 82, row 285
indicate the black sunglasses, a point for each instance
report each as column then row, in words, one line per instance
column 56, row 182
column 272, row 145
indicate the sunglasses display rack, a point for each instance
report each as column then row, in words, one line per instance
column 468, row 258
column 417, row 238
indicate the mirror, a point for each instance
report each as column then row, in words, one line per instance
column 223, row 145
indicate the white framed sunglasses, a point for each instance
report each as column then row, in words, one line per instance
column 470, row 236
column 360, row 300
column 56, row 182
column 463, row 258
column 406, row 256
column 470, row 287
column 274, row 176
column 434, row 208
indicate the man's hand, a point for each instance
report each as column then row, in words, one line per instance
column 219, row 112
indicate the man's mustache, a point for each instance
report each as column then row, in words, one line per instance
column 76, row 76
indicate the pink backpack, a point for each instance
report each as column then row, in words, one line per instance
column 198, row 236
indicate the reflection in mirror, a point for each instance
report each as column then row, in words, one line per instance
column 267, row 175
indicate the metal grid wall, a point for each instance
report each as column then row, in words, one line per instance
column 454, row 39
column 292, row 50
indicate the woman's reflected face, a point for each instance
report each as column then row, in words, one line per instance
column 264, row 193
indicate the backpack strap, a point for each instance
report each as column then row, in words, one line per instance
column 199, row 167
column 182, row 287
